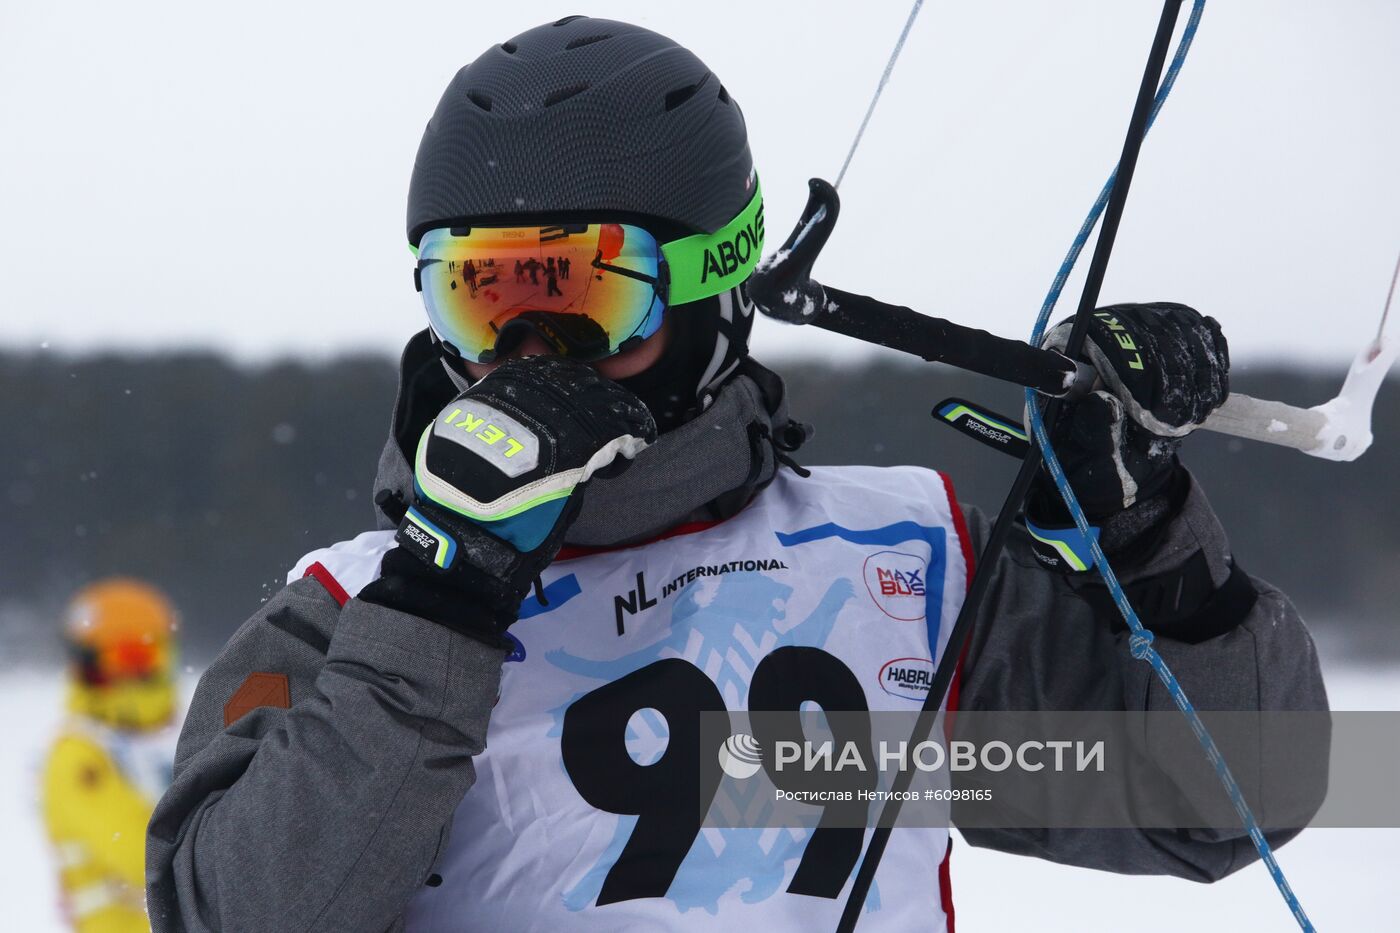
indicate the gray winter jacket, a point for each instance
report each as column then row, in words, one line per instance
column 320, row 802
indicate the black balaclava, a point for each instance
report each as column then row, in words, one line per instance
column 706, row 342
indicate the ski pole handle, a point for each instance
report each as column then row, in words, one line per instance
column 782, row 287
column 1339, row 429
column 1258, row 419
column 936, row 340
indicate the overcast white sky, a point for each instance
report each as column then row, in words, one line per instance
column 233, row 176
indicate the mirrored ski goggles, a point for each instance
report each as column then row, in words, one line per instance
column 100, row 667
column 590, row 290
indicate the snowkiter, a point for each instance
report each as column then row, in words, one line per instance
column 591, row 529
column 111, row 760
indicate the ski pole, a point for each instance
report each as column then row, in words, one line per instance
column 782, row 287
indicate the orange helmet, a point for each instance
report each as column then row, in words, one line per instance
column 120, row 636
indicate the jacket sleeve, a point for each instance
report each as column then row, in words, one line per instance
column 327, row 814
column 1041, row 642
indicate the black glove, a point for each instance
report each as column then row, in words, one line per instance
column 1163, row 368
column 499, row 476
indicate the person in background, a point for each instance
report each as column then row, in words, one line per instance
column 551, row 280
column 112, row 758
column 469, row 276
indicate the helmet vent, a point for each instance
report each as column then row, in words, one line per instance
column 508, row 47
column 682, row 94
column 581, row 41
column 568, row 19
column 723, row 94
column 564, row 93
column 480, row 99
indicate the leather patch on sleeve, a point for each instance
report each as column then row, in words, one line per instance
column 259, row 689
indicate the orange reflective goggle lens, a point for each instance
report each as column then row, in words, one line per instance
column 589, row 289
column 100, row 666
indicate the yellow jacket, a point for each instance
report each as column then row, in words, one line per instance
column 99, row 788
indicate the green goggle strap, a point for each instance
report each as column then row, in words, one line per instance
column 710, row 263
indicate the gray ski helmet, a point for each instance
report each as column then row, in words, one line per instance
column 592, row 115
column 583, row 115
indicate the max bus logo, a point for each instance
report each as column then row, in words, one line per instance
column 909, row 678
column 895, row 581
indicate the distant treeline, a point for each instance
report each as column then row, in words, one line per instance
column 211, row 479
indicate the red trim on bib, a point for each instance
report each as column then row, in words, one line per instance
column 970, row 559
column 960, row 523
column 326, row 579
column 570, row 551
column 945, row 875
column 945, row 884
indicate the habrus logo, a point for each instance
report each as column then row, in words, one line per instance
column 895, row 581
column 909, row 678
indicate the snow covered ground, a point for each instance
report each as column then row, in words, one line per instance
column 1342, row 876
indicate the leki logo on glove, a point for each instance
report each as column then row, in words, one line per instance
column 1125, row 339
column 493, row 435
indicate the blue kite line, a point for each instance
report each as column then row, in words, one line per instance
column 1140, row 642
